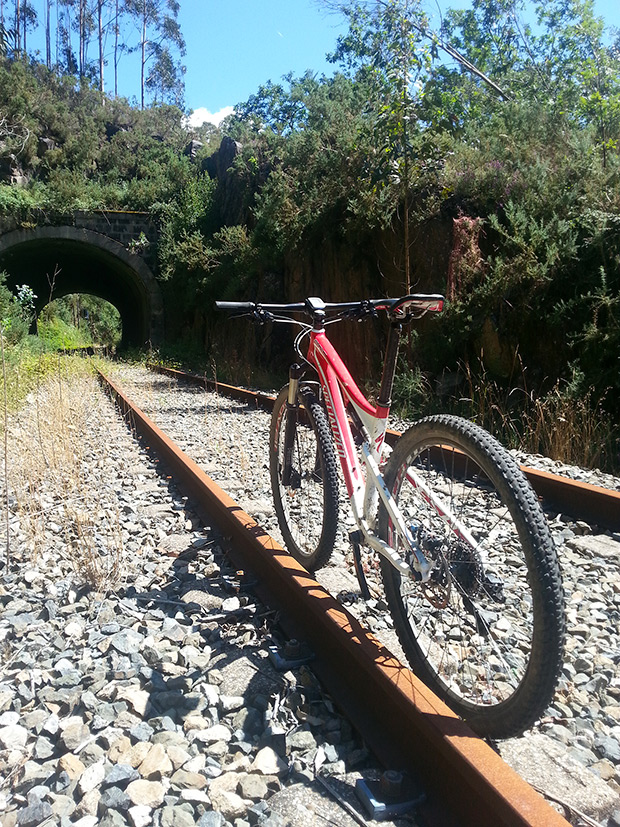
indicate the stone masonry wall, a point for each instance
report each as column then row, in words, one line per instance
column 136, row 231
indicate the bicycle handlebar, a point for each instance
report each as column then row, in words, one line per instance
column 250, row 307
column 399, row 308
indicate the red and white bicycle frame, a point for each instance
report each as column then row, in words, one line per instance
column 340, row 391
column 365, row 485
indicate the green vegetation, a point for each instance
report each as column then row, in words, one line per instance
column 104, row 28
column 492, row 138
column 73, row 322
column 77, row 321
column 78, row 150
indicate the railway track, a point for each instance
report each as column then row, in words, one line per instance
column 403, row 723
column 581, row 500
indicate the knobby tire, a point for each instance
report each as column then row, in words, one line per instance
column 307, row 508
column 486, row 634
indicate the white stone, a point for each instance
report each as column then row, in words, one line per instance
column 91, row 778
column 137, row 698
column 199, row 796
column 86, row 821
column 268, row 762
column 140, row 815
column 147, row 793
column 13, row 737
column 219, row 732
column 52, row 724
column 211, row 693
column 74, row 629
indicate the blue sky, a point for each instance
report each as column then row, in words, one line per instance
column 235, row 46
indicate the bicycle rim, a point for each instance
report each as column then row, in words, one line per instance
column 306, row 507
column 486, row 632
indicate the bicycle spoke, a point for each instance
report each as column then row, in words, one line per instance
column 469, row 630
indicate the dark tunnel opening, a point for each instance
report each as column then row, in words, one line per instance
column 56, row 261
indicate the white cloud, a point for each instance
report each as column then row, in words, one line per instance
column 202, row 115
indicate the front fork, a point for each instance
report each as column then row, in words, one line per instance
column 290, row 424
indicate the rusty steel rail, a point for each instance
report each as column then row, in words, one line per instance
column 257, row 398
column 405, row 725
column 596, row 505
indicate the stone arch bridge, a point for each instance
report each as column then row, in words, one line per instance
column 107, row 254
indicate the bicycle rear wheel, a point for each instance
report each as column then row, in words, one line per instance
column 306, row 502
column 486, row 632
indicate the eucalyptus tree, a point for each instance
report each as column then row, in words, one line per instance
column 160, row 41
column 6, row 39
column 580, row 71
column 24, row 18
column 559, row 64
column 386, row 47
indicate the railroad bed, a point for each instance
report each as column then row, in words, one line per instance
column 153, row 700
column 229, row 442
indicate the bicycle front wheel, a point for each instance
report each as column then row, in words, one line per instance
column 486, row 632
column 306, row 494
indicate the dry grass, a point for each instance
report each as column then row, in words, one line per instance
column 575, row 431
column 561, row 424
column 50, row 451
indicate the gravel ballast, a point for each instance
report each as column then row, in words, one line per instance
column 152, row 700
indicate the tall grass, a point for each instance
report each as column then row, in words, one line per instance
column 27, row 364
column 57, row 513
column 563, row 422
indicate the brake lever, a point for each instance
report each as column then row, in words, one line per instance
column 360, row 313
column 367, row 309
column 261, row 316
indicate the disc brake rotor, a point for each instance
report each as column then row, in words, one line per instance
column 459, row 564
column 437, row 594
column 437, row 589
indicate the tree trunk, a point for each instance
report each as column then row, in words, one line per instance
column 142, row 68
column 68, row 46
column 18, row 36
column 100, row 31
column 116, row 24
column 82, row 25
column 48, row 37
column 24, row 24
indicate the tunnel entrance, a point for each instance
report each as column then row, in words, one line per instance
column 80, row 320
column 56, row 261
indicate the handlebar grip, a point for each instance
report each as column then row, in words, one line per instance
column 248, row 306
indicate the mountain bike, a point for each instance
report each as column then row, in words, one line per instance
column 468, row 564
